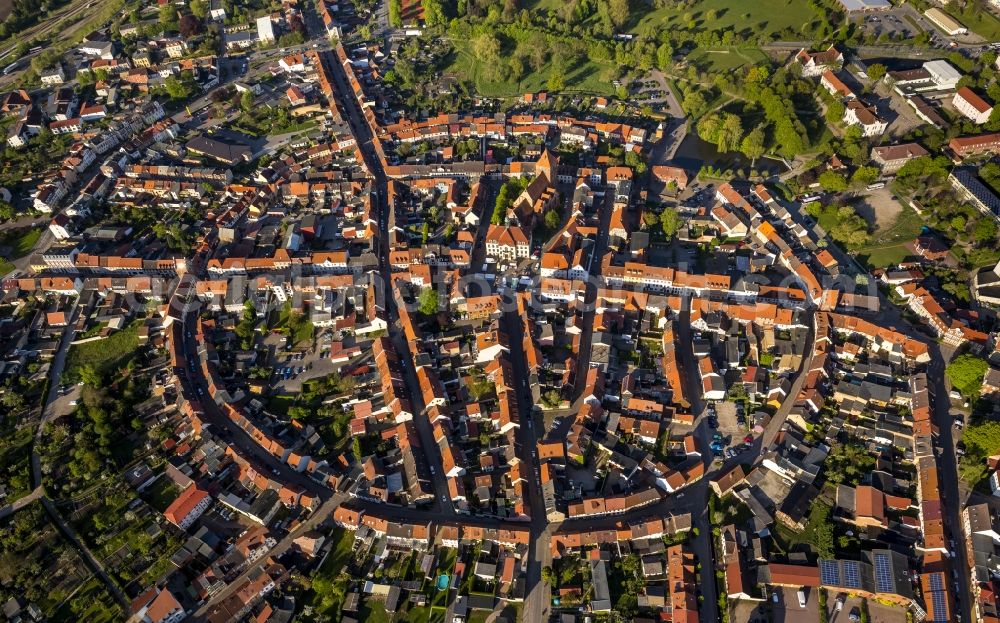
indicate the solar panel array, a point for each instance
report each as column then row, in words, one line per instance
column 938, row 597
column 829, row 572
column 852, row 574
column 883, row 574
column 937, row 584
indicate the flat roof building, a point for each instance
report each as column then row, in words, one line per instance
column 945, row 22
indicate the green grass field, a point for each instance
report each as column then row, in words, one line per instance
column 881, row 257
column 725, row 59
column 21, row 242
column 590, row 77
column 104, row 353
column 161, row 493
column 374, row 611
column 886, row 248
column 760, row 18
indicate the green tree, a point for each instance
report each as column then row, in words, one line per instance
column 865, row 175
column 821, row 524
column 730, row 134
column 395, row 13
column 694, row 103
column 635, row 161
column 753, row 144
column 6, row 211
column 552, row 220
column 548, row 576
column 168, row 17
column 848, row 464
column 246, row 101
column 876, row 71
column 557, row 78
column 835, row 111
column 199, row 8
column 664, row 56
column 983, row 438
column 176, row 89
column 428, row 303
column 298, row 412
column 552, row 398
column 670, row 221
column 832, row 181
column 985, row 230
column 618, row 11
column 966, row 374
column 246, row 328
column 434, row 12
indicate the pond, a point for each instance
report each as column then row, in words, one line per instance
column 694, row 153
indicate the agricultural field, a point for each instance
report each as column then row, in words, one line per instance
column 39, row 566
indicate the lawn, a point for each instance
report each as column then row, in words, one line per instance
column 979, row 21
column 326, row 595
column 726, row 59
column 105, row 353
column 374, row 612
column 416, row 614
column 905, row 228
column 882, row 256
column 161, row 493
column 300, row 328
column 20, row 242
column 479, row 616
column 340, row 553
column 761, row 18
column 589, row 77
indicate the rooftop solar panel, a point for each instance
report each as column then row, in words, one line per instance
column 883, row 574
column 852, row 576
column 829, row 572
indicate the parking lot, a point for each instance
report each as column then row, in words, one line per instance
column 878, row 613
column 727, row 434
column 888, row 24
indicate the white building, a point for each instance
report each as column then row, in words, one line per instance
column 972, row 106
column 265, row 30
column 858, row 113
column 188, row 507
column 945, row 22
column 507, row 243
column 945, row 76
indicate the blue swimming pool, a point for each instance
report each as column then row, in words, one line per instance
column 442, row 582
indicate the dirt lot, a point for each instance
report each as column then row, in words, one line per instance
column 879, row 209
column 728, row 426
